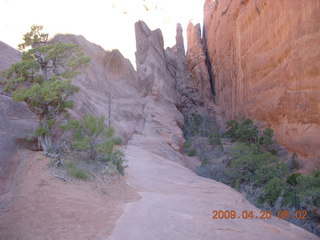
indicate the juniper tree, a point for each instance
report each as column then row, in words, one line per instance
column 43, row 80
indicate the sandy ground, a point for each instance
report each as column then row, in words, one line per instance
column 40, row 206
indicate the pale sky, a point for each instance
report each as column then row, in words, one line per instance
column 108, row 23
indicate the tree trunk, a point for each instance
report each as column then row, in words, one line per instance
column 47, row 145
column 46, row 140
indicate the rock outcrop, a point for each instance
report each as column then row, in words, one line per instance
column 163, row 121
column 190, row 99
column 265, row 56
column 196, row 60
column 109, row 77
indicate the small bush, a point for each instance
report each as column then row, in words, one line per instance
column 291, row 198
column 192, row 152
column 117, row 140
column 309, row 188
column 118, row 159
column 267, row 136
column 293, row 179
column 273, row 152
column 95, row 141
column 270, row 170
column 76, row 172
column 294, row 164
column 242, row 130
column 272, row 191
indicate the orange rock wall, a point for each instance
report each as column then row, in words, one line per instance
column 196, row 61
column 266, row 59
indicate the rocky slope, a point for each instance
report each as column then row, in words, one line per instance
column 265, row 57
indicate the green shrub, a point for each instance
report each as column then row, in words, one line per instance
column 250, row 164
column 293, row 178
column 267, row 136
column 41, row 131
column 204, row 161
column 192, row 152
column 117, row 140
column 118, row 159
column 273, row 151
column 271, row 169
column 272, row 190
column 291, row 198
column 242, row 130
column 309, row 188
column 76, row 172
column 90, row 136
column 81, row 143
column 294, row 164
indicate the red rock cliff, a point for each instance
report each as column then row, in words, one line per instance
column 196, row 60
column 266, row 59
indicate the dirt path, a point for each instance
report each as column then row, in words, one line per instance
column 40, row 206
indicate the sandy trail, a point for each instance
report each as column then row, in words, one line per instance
column 40, row 206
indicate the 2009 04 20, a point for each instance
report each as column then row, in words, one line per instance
column 232, row 214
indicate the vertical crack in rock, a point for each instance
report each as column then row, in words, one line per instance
column 209, row 66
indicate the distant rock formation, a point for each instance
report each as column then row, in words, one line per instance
column 196, row 60
column 265, row 56
column 163, row 121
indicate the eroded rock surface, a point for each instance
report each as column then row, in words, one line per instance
column 265, row 56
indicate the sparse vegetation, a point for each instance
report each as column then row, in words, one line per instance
column 250, row 164
column 96, row 142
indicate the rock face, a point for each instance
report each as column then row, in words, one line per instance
column 265, row 56
column 196, row 60
column 162, row 118
column 175, row 203
column 190, row 99
column 109, row 77
column 16, row 122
